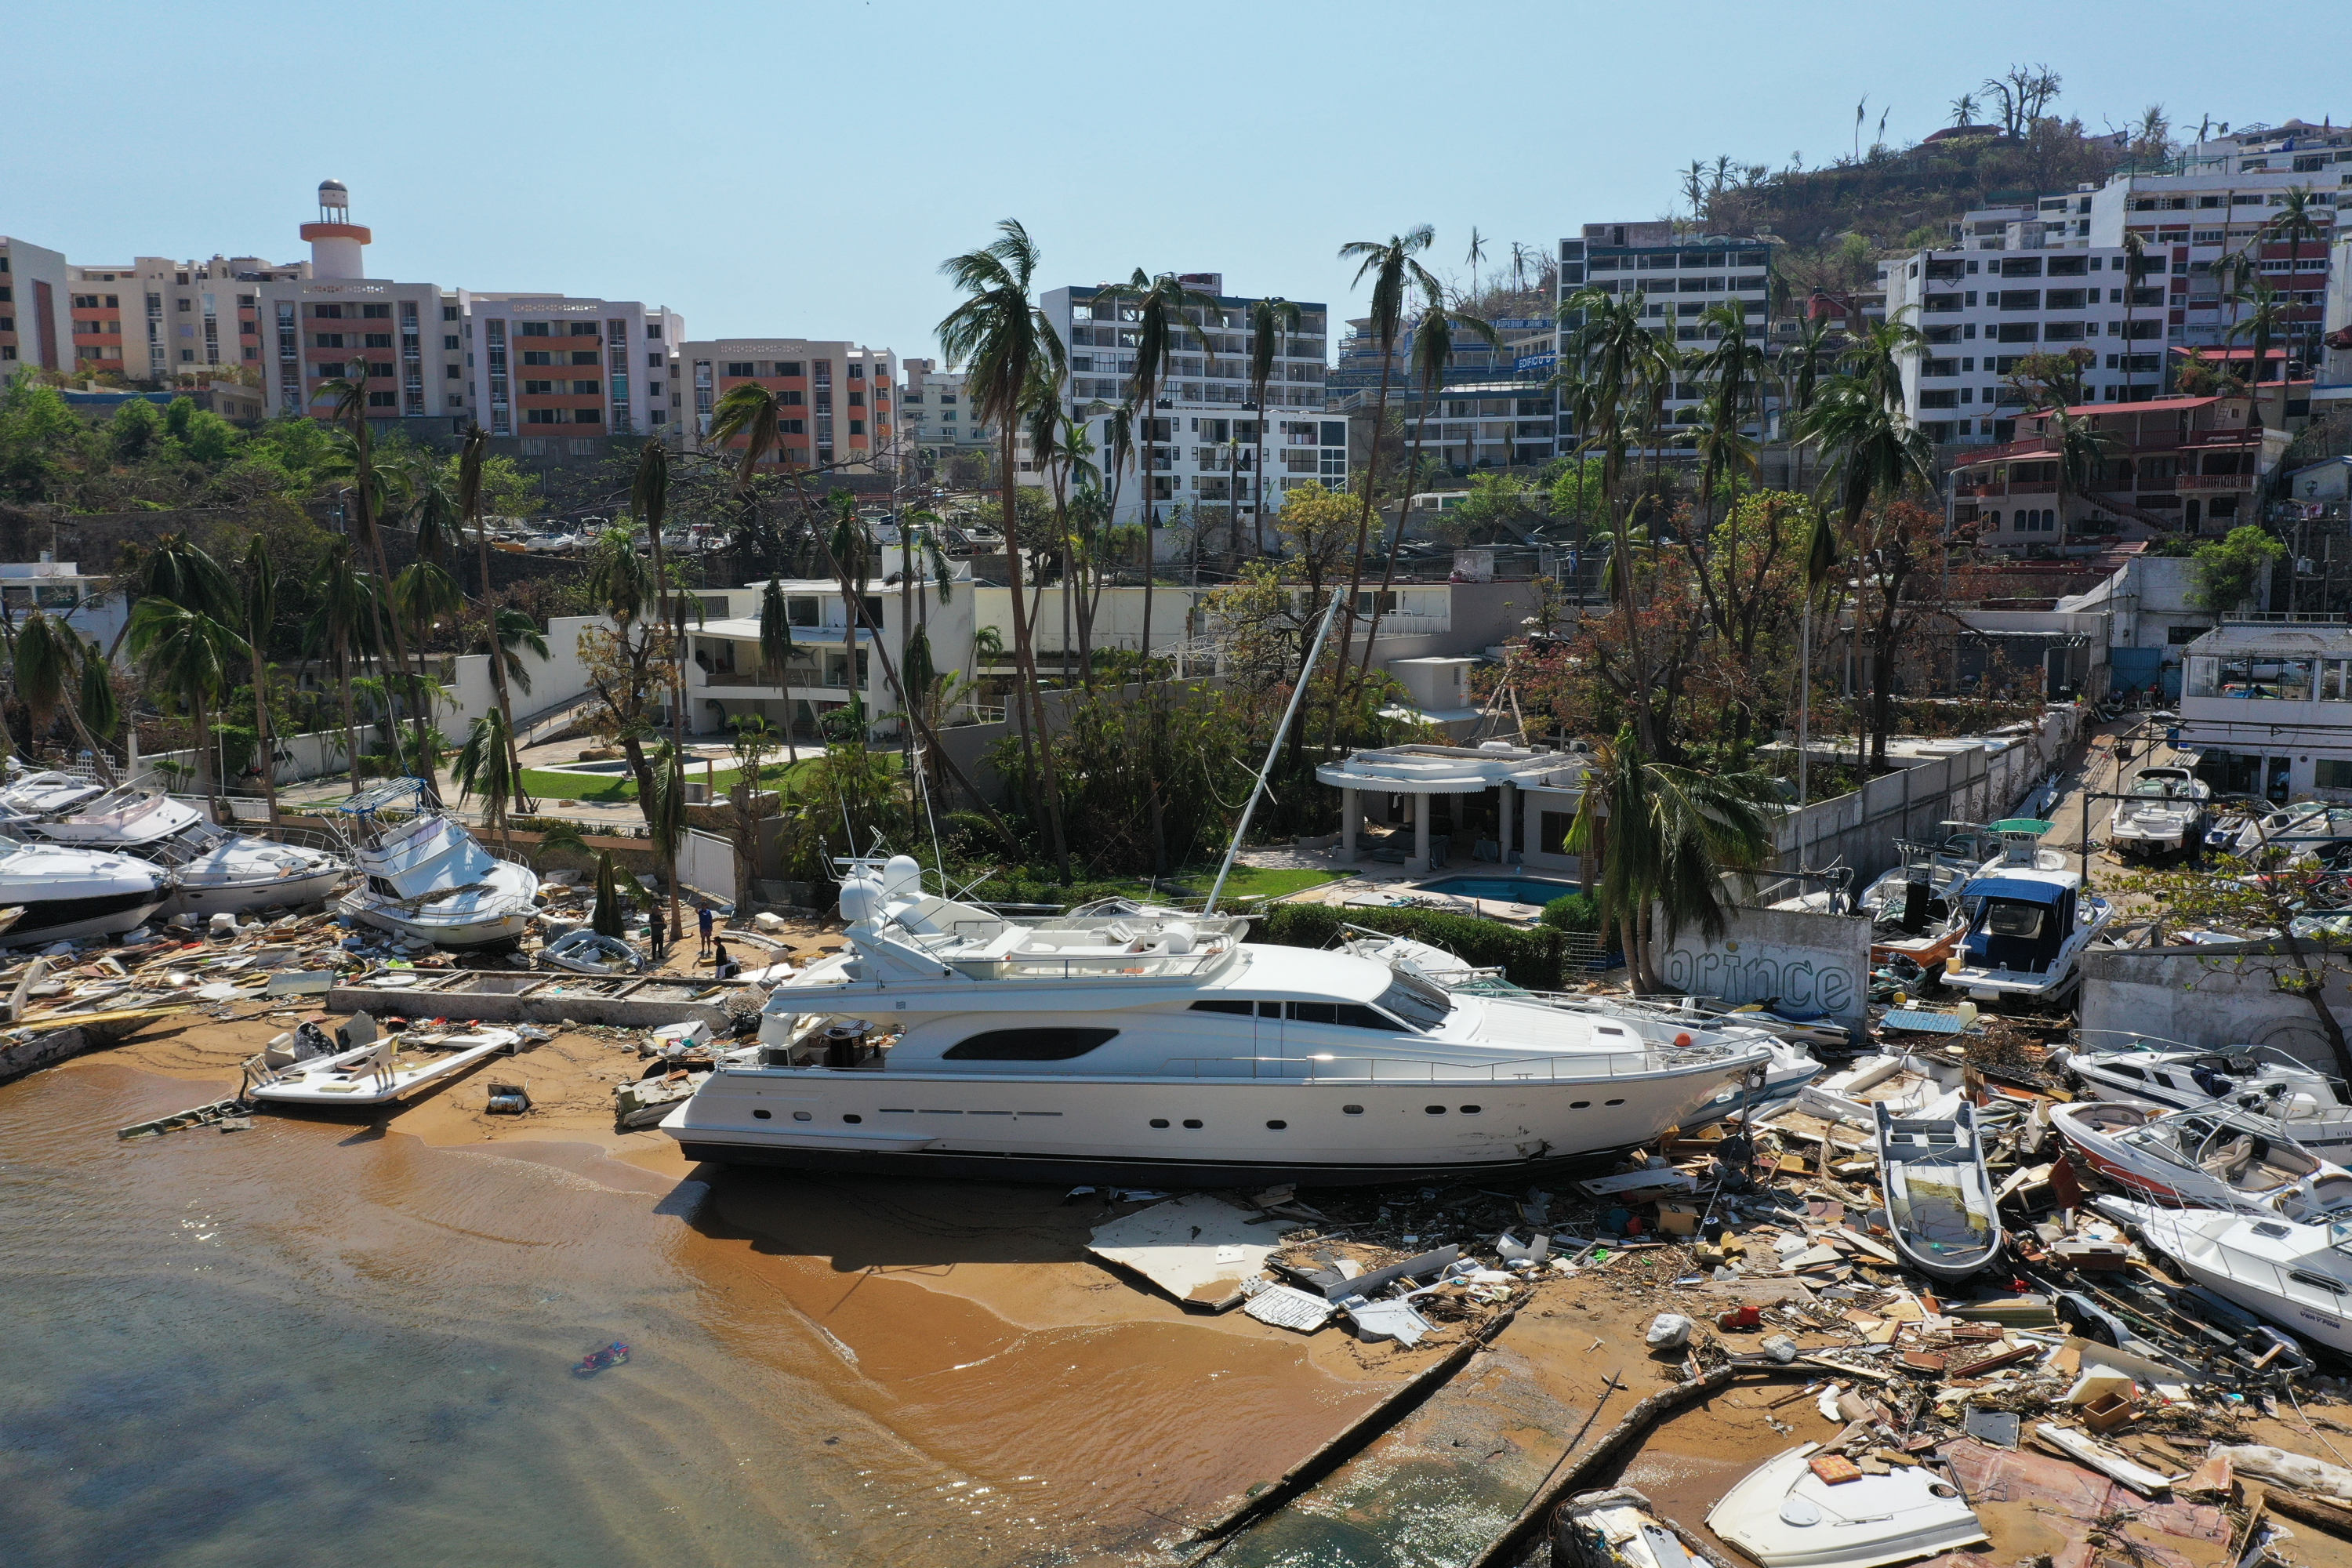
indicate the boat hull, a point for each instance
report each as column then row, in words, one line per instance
column 481, row 933
column 1176, row 1130
column 237, row 898
column 70, row 920
column 2267, row 1286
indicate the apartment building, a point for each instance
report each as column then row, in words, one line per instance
column 934, row 414
column 154, row 319
column 1200, row 451
column 832, row 662
column 839, row 399
column 1985, row 310
column 1677, row 276
column 1495, row 405
column 35, row 324
column 555, row 367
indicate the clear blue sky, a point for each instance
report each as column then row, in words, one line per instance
column 801, row 169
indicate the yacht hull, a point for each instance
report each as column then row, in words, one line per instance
column 1209, row 1130
column 261, row 893
column 477, row 933
column 70, row 920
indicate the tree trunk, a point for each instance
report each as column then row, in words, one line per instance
column 1038, row 746
column 1363, row 526
column 1396, row 535
column 351, row 718
column 205, row 783
column 676, row 718
column 2313, row 983
column 261, row 730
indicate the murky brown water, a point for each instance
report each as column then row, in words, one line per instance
column 322, row 1343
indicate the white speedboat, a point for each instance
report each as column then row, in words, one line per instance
column 2297, row 1275
column 1940, row 1198
column 1785, row 1515
column 380, row 1072
column 2259, row 1081
column 2028, row 925
column 1156, row 1047
column 2201, row 1159
column 424, row 876
column 212, row 869
column 2163, row 811
column 2308, row 829
column 67, row 893
column 31, row 796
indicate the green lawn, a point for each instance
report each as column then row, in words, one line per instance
column 555, row 786
column 1251, row 882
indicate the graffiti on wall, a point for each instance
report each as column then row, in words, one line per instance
column 1829, row 976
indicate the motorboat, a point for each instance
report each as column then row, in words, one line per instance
column 2202, row 1159
column 380, row 1071
column 2304, row 830
column 424, row 877
column 1156, row 1045
column 2162, row 811
column 2029, row 924
column 68, row 893
column 1786, row 1515
column 2282, row 1093
column 1939, row 1197
column 2298, row 1276
column 584, row 952
column 1616, row 1529
column 33, row 796
column 213, row 869
column 1901, row 1082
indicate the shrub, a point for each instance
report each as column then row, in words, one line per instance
column 1534, row 958
column 1577, row 911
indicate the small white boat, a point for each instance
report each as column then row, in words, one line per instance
column 1615, row 1528
column 425, row 876
column 584, row 952
column 1940, row 1198
column 380, row 1072
column 2164, row 811
column 2308, row 829
column 34, row 796
column 2297, row 1275
column 2259, row 1081
column 2201, row 1158
column 2028, row 926
column 212, row 869
column 1903, row 1084
column 67, row 893
column 1785, row 1515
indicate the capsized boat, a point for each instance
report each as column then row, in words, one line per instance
column 1158, row 1047
column 1940, row 1198
column 2203, row 1159
column 2028, row 926
column 2298, row 1276
column 2261, row 1081
column 380, row 1072
column 424, row 875
column 67, row 893
column 1785, row 1515
column 212, row 869
column 2163, row 811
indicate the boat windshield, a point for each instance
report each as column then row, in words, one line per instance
column 2005, row 918
column 1414, row 1000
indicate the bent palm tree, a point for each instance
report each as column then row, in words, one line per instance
column 1160, row 304
column 349, row 395
column 342, row 627
column 485, row 766
column 468, row 500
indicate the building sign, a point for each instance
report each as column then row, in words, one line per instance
column 1544, row 361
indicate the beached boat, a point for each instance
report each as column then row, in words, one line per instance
column 1905, row 1085
column 584, row 952
column 1153, row 1045
column 212, row 869
column 382, row 1071
column 2162, row 811
column 68, row 893
column 1939, row 1199
column 2029, row 924
column 2261, row 1081
column 2304, row 830
column 2201, row 1159
column 2298, row 1276
column 424, row 875
column 1785, row 1515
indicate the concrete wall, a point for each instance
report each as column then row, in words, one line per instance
column 2219, row 996
column 1807, row 961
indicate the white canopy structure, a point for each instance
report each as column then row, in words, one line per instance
column 1421, row 772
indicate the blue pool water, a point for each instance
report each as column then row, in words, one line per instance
column 1518, row 889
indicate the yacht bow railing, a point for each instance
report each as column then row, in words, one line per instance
column 1091, row 965
column 1331, row 1068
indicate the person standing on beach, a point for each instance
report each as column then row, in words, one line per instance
column 702, row 920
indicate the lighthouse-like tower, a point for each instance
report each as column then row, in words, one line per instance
column 336, row 242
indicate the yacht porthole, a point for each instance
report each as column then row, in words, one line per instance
column 1435, row 1109
column 1613, row 1103
column 1352, row 1110
column 800, row 1116
column 760, row 1115
column 853, row 1116
column 1472, row 1110
column 1189, row 1122
column 1159, row 1121
column 1579, row 1105
column 1278, row 1126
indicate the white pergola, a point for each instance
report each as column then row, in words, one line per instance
column 1421, row 772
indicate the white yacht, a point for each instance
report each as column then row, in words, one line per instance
column 2028, row 924
column 67, row 893
column 2308, row 829
column 213, row 869
column 1153, row 1045
column 424, row 876
column 2258, row 1082
column 2297, row 1275
column 2163, row 811
column 2203, row 1159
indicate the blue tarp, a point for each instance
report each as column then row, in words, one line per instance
column 2014, row 888
column 2134, row 668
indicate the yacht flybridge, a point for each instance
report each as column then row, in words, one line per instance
column 1134, row 1043
column 212, row 869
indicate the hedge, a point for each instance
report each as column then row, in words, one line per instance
column 1535, row 958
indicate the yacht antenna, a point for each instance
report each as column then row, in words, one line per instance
column 1273, row 750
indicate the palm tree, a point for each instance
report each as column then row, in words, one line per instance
column 1801, row 373
column 2265, row 323
column 1875, row 359
column 649, row 498
column 485, row 766
column 502, row 638
column 1391, row 267
column 2135, row 255
column 1964, row 109
column 1663, row 837
column 2082, row 447
column 1433, row 349
column 918, row 535
column 343, row 626
column 1160, row 304
column 1269, row 319
column 101, row 714
column 187, row 655
column 1008, row 349
column 51, row 673
column 349, row 395
column 1734, row 371
column 260, row 614
column 775, row 634
column 2297, row 222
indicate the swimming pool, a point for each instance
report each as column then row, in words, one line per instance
column 1513, row 890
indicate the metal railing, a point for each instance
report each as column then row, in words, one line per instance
column 1330, row 1068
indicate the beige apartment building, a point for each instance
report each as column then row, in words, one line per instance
column 33, row 326
column 839, row 399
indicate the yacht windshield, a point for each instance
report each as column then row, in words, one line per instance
column 2013, row 919
column 1415, row 1000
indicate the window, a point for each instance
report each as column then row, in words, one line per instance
column 2330, row 773
column 538, row 388
column 586, row 356
column 587, row 416
column 376, row 340
column 327, row 340
column 653, row 361
column 737, row 367
column 583, row 329
column 1028, row 1044
column 587, row 388
column 536, row 356
column 858, row 426
column 542, row 416
column 530, row 329
column 1348, row 1014
column 376, row 312
column 382, row 399
column 1238, row 1009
